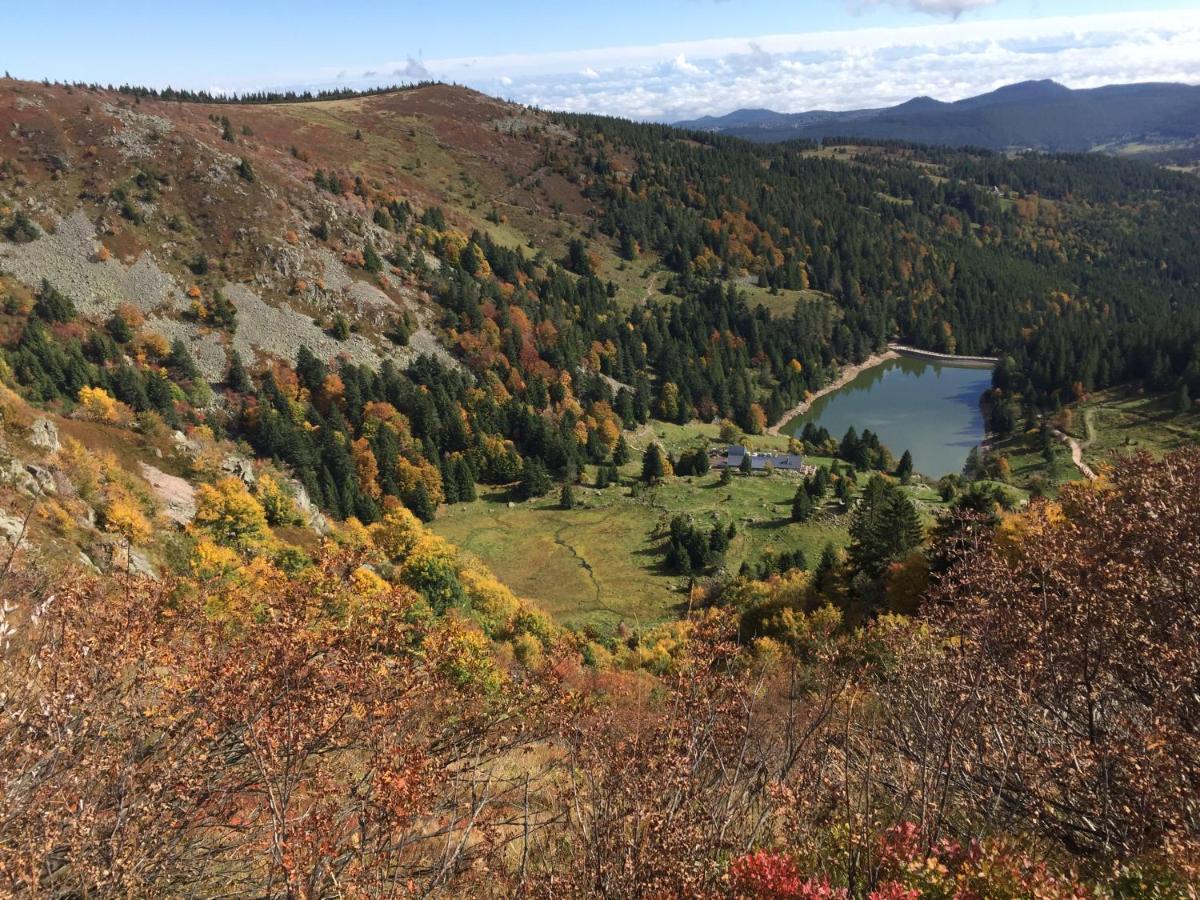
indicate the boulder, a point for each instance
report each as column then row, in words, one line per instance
column 11, row 527
column 239, row 467
column 44, row 435
column 185, row 444
column 29, row 477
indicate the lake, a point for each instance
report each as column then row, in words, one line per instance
column 929, row 408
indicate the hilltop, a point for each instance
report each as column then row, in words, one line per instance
column 1155, row 121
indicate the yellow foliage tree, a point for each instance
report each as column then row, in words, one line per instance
column 123, row 516
column 99, row 405
column 276, row 504
column 410, row 474
column 231, row 516
column 366, row 467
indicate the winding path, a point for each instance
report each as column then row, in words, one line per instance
column 1078, row 448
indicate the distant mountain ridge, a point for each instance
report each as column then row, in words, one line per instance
column 1146, row 118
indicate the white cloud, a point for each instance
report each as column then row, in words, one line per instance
column 848, row 69
column 411, row 69
column 951, row 8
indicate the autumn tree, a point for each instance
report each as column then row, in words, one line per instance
column 231, row 515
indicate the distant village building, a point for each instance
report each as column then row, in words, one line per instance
column 731, row 458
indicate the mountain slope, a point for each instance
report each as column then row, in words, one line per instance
column 405, row 295
column 1041, row 115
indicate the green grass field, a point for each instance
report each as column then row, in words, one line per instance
column 600, row 563
column 1122, row 421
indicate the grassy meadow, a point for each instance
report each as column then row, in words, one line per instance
column 600, row 563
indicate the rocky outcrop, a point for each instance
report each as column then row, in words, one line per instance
column 177, row 496
column 30, row 478
column 12, row 528
column 312, row 516
column 240, row 467
column 43, row 434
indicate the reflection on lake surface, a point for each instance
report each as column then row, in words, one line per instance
column 928, row 408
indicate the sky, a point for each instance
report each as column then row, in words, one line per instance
column 662, row 60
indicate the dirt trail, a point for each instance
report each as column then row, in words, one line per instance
column 1077, row 448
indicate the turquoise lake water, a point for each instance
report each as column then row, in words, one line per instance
column 928, row 408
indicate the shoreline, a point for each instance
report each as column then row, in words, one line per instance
column 848, row 374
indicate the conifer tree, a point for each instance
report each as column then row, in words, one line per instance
column 653, row 464
column 620, row 454
column 535, row 480
column 421, row 505
column 237, row 379
column 180, row 363
column 802, row 506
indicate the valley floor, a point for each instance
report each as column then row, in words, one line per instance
column 600, row 563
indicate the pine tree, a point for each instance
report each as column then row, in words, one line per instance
column 653, row 464
column 466, row 480
column 620, row 454
column 802, row 506
column 826, row 569
column 53, row 306
column 371, row 260
column 119, row 329
column 236, row 379
column 566, row 497
column 421, row 505
column 245, row 170
column 535, row 480
column 885, row 527
column 180, row 363
column 904, row 470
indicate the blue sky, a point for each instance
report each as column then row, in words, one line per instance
column 653, row 59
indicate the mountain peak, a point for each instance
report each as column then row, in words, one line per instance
column 1040, row 114
column 1044, row 87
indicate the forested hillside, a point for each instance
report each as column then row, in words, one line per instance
column 1147, row 120
column 267, row 366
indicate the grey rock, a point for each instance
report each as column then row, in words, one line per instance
column 43, row 478
column 239, row 467
column 11, row 527
column 178, row 497
column 312, row 516
column 139, row 564
column 44, row 434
